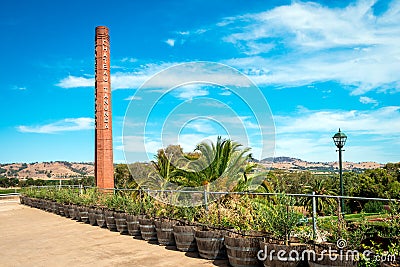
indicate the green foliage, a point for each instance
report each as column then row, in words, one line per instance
column 8, row 191
column 225, row 159
column 323, row 205
column 374, row 207
column 233, row 212
column 116, row 201
column 123, row 177
column 280, row 218
column 188, row 214
column 393, row 229
column 8, row 182
column 391, row 255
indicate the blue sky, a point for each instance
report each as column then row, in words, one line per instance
column 320, row 65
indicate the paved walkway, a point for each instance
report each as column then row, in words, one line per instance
column 32, row 237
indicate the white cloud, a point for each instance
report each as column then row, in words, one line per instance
column 74, row 82
column 308, row 134
column 188, row 92
column 170, row 42
column 163, row 76
column 349, row 45
column 130, row 98
column 368, row 100
column 129, row 59
column 69, row 124
column 226, row 93
column 201, row 126
column 21, row 88
column 383, row 121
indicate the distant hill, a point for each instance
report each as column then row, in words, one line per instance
column 47, row 170
column 64, row 169
column 288, row 163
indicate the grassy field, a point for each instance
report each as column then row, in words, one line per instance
column 9, row 190
column 370, row 218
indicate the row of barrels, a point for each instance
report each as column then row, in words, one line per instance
column 211, row 245
column 241, row 251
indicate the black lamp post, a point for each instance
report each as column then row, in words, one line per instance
column 340, row 139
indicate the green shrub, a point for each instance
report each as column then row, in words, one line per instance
column 373, row 207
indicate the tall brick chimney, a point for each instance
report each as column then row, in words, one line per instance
column 104, row 168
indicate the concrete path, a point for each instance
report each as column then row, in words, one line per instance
column 32, row 237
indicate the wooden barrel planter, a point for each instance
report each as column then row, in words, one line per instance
column 71, row 212
column 390, row 263
column 27, row 201
column 77, row 214
column 66, row 210
column 38, row 203
column 100, row 218
column 324, row 258
column 242, row 250
column 327, row 259
column 48, row 206
column 147, row 229
column 84, row 214
column 165, row 235
column 184, row 238
column 54, row 207
column 60, row 208
column 44, row 204
column 120, row 222
column 210, row 244
column 110, row 220
column 286, row 258
column 92, row 216
column 132, row 222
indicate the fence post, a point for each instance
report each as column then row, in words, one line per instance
column 314, row 215
column 205, row 196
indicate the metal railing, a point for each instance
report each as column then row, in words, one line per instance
column 207, row 196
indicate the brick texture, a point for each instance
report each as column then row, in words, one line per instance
column 104, row 168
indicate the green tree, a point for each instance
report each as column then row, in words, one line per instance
column 320, row 187
column 225, row 159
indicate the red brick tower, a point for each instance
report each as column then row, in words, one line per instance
column 104, row 168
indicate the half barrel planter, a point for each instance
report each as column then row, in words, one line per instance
column 110, row 220
column 71, row 212
column 100, row 218
column 84, row 214
column 165, row 232
column 286, row 253
column 185, row 238
column 66, row 210
column 92, row 216
column 324, row 258
column 242, row 250
column 210, row 243
column 148, row 229
column 132, row 222
column 120, row 222
column 77, row 213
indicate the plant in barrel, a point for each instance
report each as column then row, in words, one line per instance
column 279, row 218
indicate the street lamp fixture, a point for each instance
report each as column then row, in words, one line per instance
column 340, row 140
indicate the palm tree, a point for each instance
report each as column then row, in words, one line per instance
column 225, row 160
column 323, row 204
